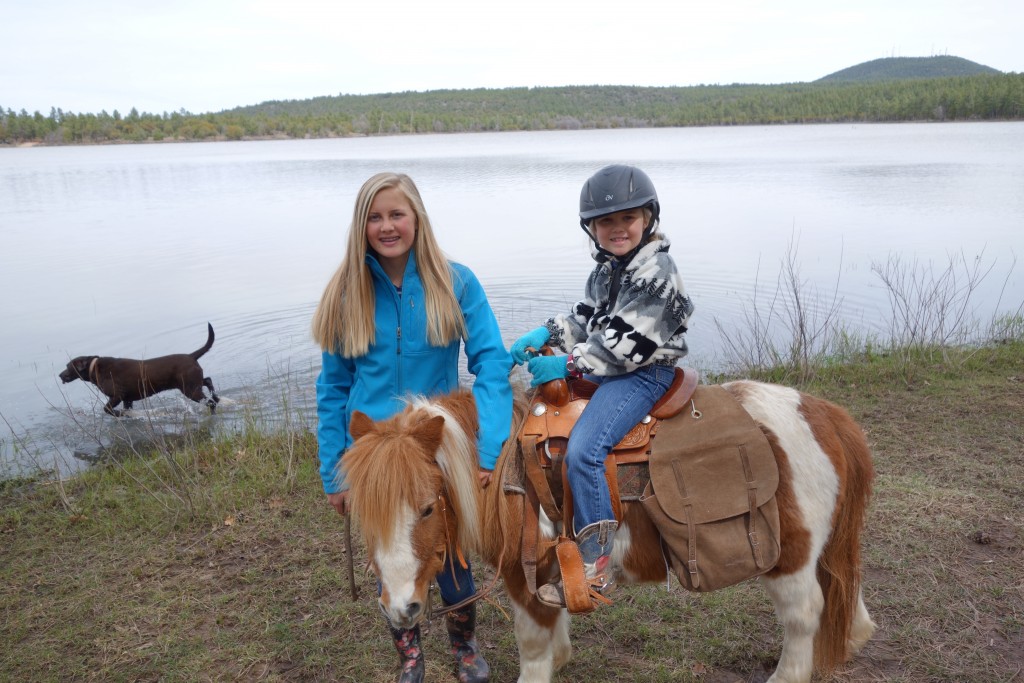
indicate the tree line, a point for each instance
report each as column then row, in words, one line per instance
column 971, row 98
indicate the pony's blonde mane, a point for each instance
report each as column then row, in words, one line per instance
column 457, row 458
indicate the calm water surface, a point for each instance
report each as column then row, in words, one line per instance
column 129, row 250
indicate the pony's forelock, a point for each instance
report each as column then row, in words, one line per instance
column 384, row 478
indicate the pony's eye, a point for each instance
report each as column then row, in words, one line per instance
column 427, row 511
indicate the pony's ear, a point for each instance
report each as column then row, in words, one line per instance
column 360, row 425
column 429, row 432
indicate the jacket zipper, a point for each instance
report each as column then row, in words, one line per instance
column 398, row 345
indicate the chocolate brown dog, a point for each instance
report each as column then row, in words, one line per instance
column 126, row 380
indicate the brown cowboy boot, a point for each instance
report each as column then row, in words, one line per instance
column 595, row 544
column 461, row 625
column 407, row 642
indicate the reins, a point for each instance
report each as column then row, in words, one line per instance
column 431, row 612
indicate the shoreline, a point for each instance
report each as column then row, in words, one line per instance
column 281, row 137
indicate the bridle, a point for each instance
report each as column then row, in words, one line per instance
column 442, row 498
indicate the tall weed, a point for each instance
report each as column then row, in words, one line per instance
column 788, row 338
column 796, row 335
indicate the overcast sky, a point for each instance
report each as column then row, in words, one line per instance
column 209, row 55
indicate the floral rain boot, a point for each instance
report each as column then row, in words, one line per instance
column 407, row 642
column 461, row 624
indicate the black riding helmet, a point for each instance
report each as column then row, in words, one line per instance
column 616, row 188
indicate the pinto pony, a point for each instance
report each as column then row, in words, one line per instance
column 413, row 487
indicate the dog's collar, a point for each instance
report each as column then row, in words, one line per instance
column 92, row 366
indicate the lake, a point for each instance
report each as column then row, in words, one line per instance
column 128, row 250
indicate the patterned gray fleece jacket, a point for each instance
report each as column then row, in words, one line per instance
column 645, row 323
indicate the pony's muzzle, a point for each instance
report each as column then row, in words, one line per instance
column 402, row 618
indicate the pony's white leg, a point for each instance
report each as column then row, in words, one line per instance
column 798, row 603
column 560, row 643
column 536, row 647
column 862, row 628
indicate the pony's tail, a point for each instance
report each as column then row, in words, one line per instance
column 839, row 569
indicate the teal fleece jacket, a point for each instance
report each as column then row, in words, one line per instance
column 401, row 362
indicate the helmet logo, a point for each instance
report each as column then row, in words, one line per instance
column 609, row 197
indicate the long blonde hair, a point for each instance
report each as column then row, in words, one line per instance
column 344, row 319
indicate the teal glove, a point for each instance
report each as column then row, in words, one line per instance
column 547, row 368
column 532, row 339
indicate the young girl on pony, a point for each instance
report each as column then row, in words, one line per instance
column 626, row 335
column 390, row 323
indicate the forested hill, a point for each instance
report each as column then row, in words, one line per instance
column 982, row 97
column 899, row 68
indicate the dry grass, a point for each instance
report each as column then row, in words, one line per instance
column 106, row 584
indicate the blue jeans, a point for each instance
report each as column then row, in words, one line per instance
column 619, row 403
column 446, row 582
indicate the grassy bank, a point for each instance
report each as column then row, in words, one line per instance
column 222, row 561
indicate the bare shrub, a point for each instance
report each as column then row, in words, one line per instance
column 934, row 309
column 792, row 333
column 931, row 308
column 796, row 332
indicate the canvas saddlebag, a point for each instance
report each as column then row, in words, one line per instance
column 712, row 493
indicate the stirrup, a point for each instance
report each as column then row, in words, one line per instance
column 553, row 595
column 587, row 593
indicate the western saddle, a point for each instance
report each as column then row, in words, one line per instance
column 543, row 439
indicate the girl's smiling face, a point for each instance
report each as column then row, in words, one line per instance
column 391, row 230
column 619, row 233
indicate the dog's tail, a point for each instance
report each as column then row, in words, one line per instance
column 206, row 347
